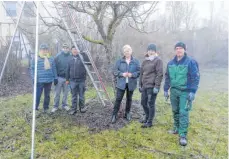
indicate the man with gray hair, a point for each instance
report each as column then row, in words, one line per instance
column 61, row 61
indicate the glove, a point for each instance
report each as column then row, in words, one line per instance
column 191, row 96
column 55, row 82
column 166, row 95
column 141, row 89
column 188, row 105
column 155, row 90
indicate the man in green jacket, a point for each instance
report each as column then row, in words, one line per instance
column 182, row 78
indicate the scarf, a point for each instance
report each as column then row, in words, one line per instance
column 151, row 58
column 46, row 61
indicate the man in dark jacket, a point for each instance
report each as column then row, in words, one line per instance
column 61, row 61
column 149, row 84
column 76, row 77
column 126, row 71
column 182, row 78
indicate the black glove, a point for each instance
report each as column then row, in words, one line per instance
column 55, row 82
column 141, row 89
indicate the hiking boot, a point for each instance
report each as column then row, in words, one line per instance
column 66, row 108
column 127, row 116
column 144, row 120
column 72, row 112
column 183, row 141
column 114, row 119
column 174, row 131
column 54, row 110
column 83, row 110
column 146, row 125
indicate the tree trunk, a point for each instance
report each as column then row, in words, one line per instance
column 108, row 50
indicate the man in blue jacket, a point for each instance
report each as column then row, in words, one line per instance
column 61, row 60
column 46, row 74
column 182, row 78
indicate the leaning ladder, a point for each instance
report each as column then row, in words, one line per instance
column 92, row 71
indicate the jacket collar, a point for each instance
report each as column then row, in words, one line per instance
column 182, row 60
column 124, row 59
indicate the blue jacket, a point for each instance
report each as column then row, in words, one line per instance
column 61, row 60
column 44, row 76
column 183, row 75
column 121, row 67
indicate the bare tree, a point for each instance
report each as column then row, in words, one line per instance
column 108, row 16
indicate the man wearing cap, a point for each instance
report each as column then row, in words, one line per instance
column 61, row 61
column 151, row 75
column 46, row 74
column 182, row 78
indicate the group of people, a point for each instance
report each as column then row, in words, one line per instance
column 181, row 78
column 67, row 70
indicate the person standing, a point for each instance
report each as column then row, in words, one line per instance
column 182, row 78
column 76, row 77
column 151, row 76
column 127, row 70
column 61, row 60
column 46, row 74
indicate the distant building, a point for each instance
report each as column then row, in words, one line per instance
column 9, row 12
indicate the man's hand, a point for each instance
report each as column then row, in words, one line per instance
column 67, row 82
column 141, row 89
column 129, row 74
column 55, row 82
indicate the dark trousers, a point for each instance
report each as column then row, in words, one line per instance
column 77, row 89
column 47, row 89
column 119, row 96
column 148, row 102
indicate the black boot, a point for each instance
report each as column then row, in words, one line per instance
column 144, row 120
column 183, row 141
column 127, row 116
column 114, row 119
column 147, row 125
column 83, row 110
column 73, row 111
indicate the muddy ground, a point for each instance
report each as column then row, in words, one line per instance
column 97, row 118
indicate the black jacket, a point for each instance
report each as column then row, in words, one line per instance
column 75, row 69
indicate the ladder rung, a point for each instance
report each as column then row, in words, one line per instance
column 97, row 81
column 71, row 28
column 93, row 72
column 104, row 99
column 64, row 16
column 87, row 62
column 100, row 90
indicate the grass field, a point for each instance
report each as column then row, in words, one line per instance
column 59, row 137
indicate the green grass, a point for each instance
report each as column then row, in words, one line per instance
column 207, row 133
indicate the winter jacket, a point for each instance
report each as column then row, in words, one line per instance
column 44, row 76
column 182, row 75
column 151, row 73
column 121, row 67
column 75, row 69
column 61, row 61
